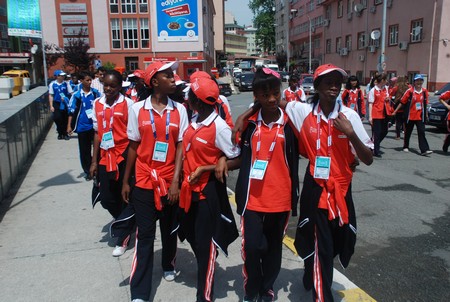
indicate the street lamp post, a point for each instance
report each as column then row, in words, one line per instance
column 310, row 46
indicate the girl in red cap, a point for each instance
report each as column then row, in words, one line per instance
column 269, row 158
column 155, row 129
column 110, row 142
column 330, row 135
column 208, row 223
column 415, row 101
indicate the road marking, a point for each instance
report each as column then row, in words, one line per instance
column 351, row 294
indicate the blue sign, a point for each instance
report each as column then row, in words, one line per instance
column 24, row 18
column 177, row 20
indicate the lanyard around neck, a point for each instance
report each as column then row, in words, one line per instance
column 272, row 145
column 330, row 128
column 152, row 121
column 111, row 118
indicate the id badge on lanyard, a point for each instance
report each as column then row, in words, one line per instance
column 107, row 140
column 259, row 167
column 322, row 166
column 418, row 106
column 89, row 113
column 160, row 149
column 108, row 137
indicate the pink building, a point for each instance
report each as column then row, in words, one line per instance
column 348, row 33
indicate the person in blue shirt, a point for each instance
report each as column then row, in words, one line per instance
column 80, row 119
column 59, row 95
column 74, row 82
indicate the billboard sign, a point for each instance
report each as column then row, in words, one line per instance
column 177, row 20
column 24, row 18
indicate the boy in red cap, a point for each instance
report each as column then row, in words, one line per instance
column 208, row 223
column 330, row 135
column 137, row 90
column 155, row 130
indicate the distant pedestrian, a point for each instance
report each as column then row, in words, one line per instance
column 97, row 83
column 396, row 93
column 208, row 222
column 415, row 101
column 379, row 112
column 110, row 121
column 59, row 95
column 80, row 120
column 353, row 96
column 137, row 91
column 445, row 100
column 74, row 81
column 294, row 92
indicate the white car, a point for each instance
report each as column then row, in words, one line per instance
column 308, row 85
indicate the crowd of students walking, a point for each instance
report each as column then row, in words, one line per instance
column 162, row 149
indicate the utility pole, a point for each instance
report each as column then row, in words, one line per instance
column 383, row 38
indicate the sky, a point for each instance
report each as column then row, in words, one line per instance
column 240, row 10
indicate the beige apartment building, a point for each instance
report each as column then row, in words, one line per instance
column 349, row 33
column 134, row 33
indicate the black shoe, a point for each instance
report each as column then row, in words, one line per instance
column 60, row 136
column 377, row 155
column 66, row 137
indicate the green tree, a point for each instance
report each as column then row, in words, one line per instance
column 76, row 55
column 264, row 21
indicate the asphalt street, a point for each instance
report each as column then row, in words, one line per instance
column 402, row 204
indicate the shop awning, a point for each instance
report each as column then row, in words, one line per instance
column 13, row 60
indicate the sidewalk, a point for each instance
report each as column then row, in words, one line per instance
column 55, row 247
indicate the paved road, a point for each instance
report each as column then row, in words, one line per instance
column 402, row 204
column 55, row 247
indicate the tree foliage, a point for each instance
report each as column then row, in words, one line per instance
column 76, row 54
column 264, row 21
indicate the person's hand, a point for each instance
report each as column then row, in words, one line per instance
column 52, row 109
column 342, row 124
column 174, row 193
column 221, row 169
column 195, row 176
column 354, row 164
column 69, row 130
column 93, row 169
column 237, row 130
column 370, row 121
column 126, row 192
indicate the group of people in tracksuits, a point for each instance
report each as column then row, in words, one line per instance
column 162, row 152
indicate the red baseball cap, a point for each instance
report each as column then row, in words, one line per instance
column 206, row 90
column 199, row 74
column 155, row 67
column 327, row 68
column 139, row 73
column 178, row 80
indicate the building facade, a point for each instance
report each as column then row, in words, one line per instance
column 235, row 40
column 252, row 48
column 134, row 33
column 349, row 33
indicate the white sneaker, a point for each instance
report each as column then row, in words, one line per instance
column 428, row 152
column 170, row 275
column 138, row 300
column 119, row 251
column 405, row 150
